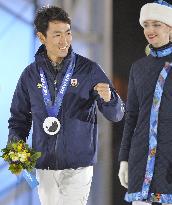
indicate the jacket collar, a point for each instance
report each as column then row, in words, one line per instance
column 161, row 51
column 42, row 59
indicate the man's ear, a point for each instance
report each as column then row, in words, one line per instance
column 41, row 37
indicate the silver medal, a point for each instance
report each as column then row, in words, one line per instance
column 51, row 125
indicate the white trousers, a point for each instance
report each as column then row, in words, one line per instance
column 140, row 203
column 64, row 187
column 144, row 203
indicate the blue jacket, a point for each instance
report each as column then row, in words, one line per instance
column 76, row 143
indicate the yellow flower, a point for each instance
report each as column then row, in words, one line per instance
column 19, row 147
column 15, row 169
column 28, row 154
column 22, row 156
column 6, row 156
column 14, row 146
column 19, row 151
column 11, row 153
column 14, row 158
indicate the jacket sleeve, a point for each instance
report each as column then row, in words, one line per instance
column 131, row 116
column 114, row 109
column 20, row 120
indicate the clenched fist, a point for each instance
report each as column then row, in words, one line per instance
column 103, row 90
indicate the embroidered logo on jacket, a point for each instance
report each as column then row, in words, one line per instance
column 74, row 82
column 39, row 85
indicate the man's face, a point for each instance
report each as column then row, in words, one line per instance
column 156, row 33
column 57, row 40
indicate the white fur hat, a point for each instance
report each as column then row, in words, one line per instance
column 155, row 11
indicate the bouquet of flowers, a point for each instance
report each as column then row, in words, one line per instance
column 20, row 156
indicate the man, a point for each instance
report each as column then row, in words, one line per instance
column 58, row 93
column 145, row 154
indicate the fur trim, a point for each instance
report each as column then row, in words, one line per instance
column 157, row 12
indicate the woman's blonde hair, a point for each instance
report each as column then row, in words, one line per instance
column 171, row 35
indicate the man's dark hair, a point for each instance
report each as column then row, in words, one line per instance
column 49, row 14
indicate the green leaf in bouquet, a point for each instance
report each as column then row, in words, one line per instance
column 4, row 150
column 27, row 146
column 9, row 146
column 29, row 169
column 14, row 146
column 15, row 168
column 5, row 157
column 36, row 156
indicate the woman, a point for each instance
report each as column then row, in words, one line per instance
column 146, row 149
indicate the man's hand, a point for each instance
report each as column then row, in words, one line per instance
column 103, row 90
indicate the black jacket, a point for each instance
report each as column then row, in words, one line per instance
column 135, row 143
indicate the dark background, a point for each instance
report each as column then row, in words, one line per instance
column 128, row 45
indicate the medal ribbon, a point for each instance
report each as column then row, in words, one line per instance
column 30, row 178
column 53, row 109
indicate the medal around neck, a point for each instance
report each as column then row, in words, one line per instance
column 51, row 125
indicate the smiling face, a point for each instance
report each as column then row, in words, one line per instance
column 57, row 40
column 156, row 33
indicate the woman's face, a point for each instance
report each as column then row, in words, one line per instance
column 156, row 33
